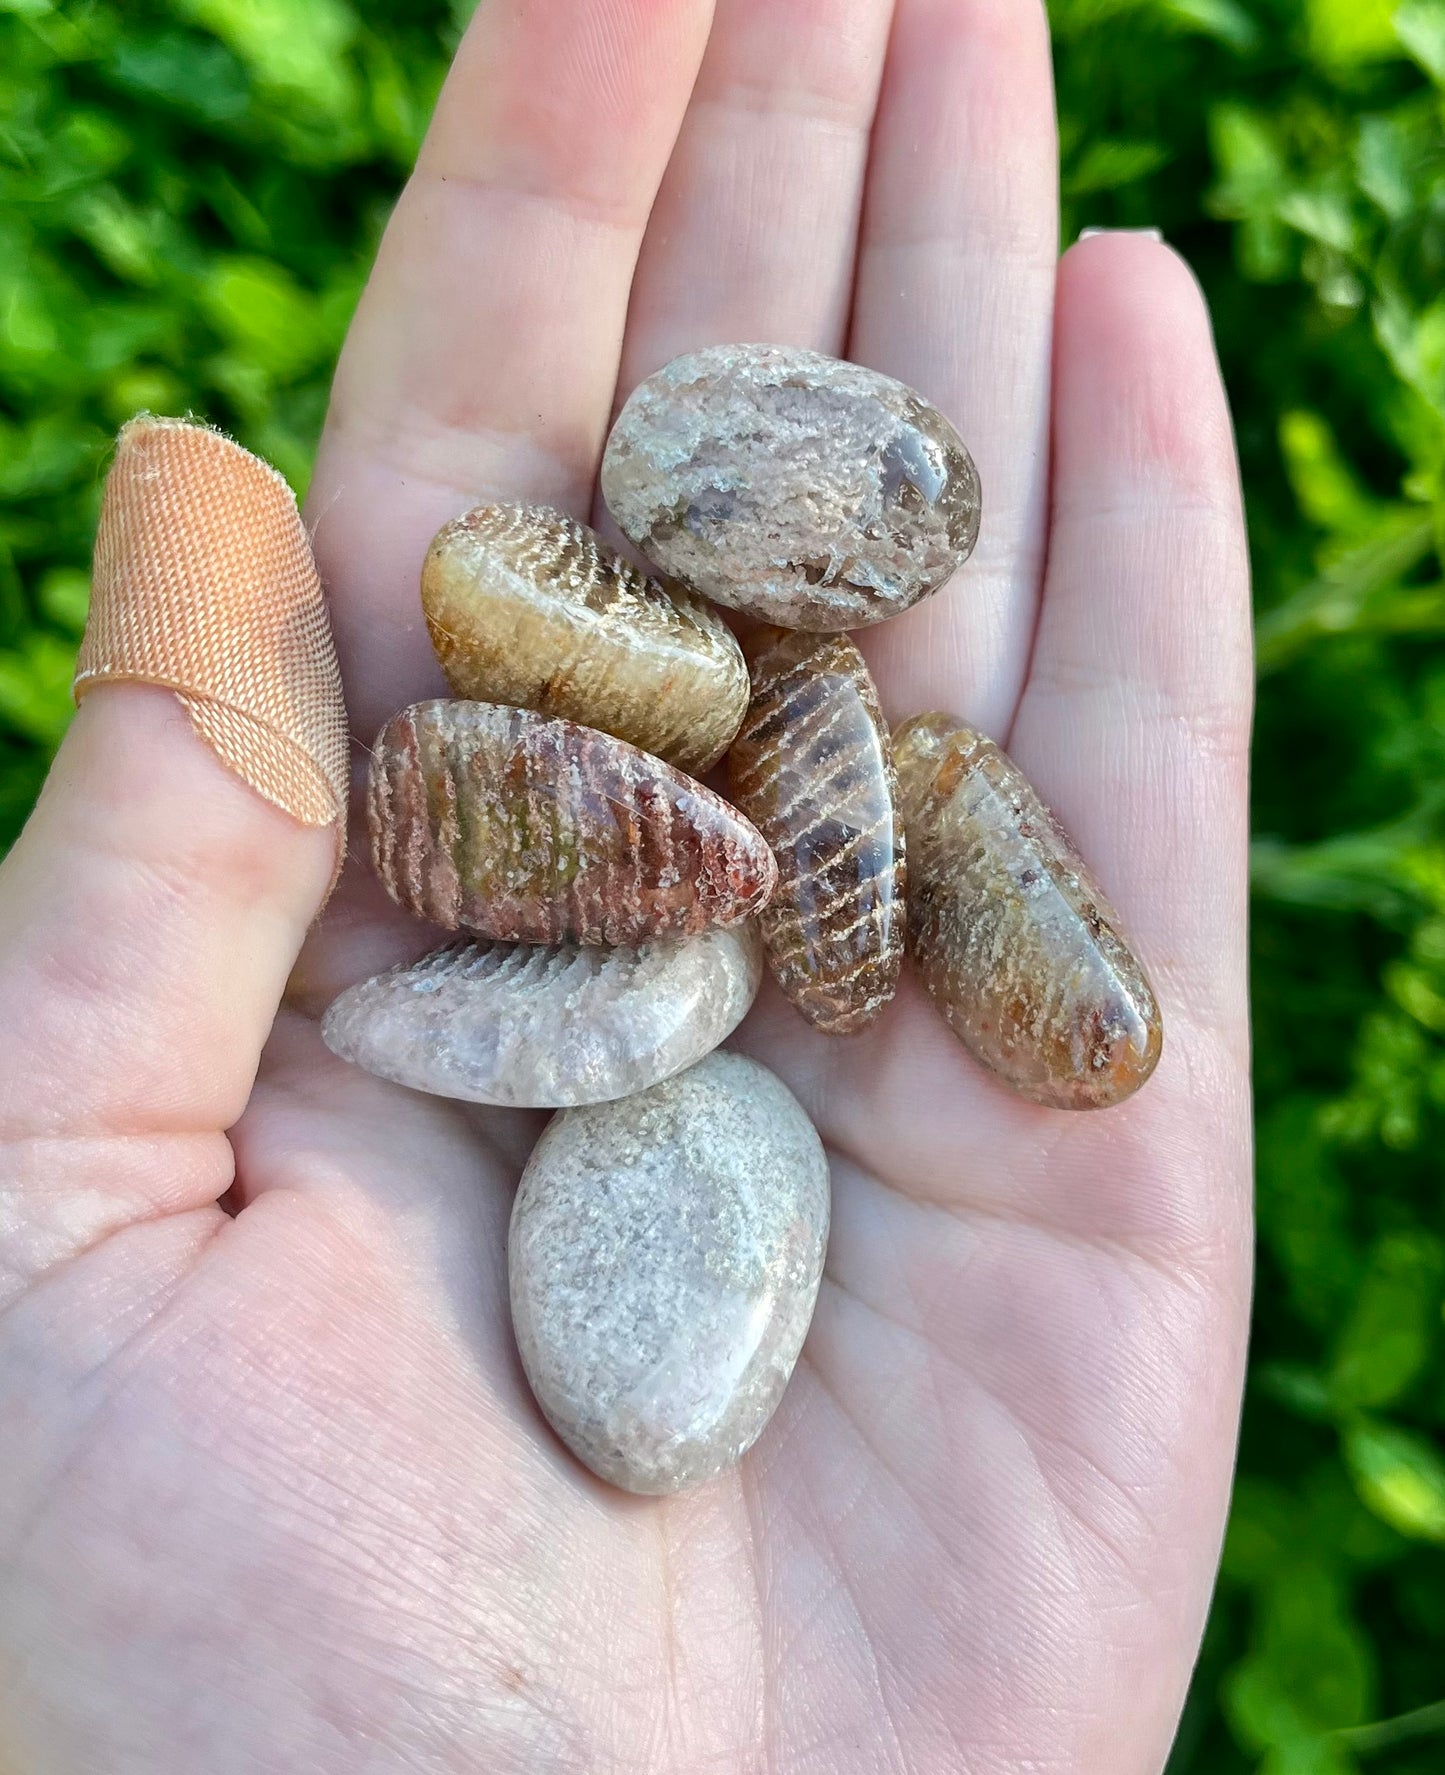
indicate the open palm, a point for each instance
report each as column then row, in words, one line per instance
column 274, row 1495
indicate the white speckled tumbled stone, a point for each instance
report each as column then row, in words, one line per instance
column 542, row 1026
column 665, row 1256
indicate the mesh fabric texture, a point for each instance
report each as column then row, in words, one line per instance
column 205, row 583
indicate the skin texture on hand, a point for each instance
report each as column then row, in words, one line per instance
column 274, row 1494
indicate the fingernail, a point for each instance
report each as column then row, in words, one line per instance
column 1147, row 233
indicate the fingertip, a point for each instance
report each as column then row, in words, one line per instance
column 1138, row 389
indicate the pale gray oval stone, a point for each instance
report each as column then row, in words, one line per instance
column 665, row 1258
column 804, row 490
column 540, row 1027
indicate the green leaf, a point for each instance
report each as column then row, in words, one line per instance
column 183, row 72
column 1351, row 31
column 1420, row 26
column 1249, row 159
column 1309, row 1669
column 261, row 309
column 1360, row 588
column 65, row 598
column 1400, row 1476
column 1328, row 491
column 1105, row 166
column 295, row 45
column 1223, row 20
column 1387, row 1340
column 1386, row 164
column 1310, row 1756
column 35, row 687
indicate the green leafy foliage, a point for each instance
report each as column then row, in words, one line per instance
column 190, row 191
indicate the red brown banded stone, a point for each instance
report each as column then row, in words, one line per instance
column 812, row 767
column 1010, row 931
column 542, row 831
column 799, row 488
column 526, row 606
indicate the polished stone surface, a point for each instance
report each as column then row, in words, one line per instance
column 548, row 1026
column 812, row 768
column 537, row 831
column 1011, row 933
column 527, row 606
column 665, row 1257
column 803, row 490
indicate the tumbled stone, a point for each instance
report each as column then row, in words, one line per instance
column 545, row 1026
column 812, row 768
column 1011, row 933
column 665, row 1256
column 803, row 490
column 542, row 831
column 527, row 606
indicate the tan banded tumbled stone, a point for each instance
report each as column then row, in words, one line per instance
column 801, row 489
column 502, row 822
column 535, row 1026
column 1010, row 932
column 812, row 768
column 665, row 1255
column 527, row 606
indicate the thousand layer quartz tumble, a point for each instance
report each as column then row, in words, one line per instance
column 1011, row 933
column 812, row 767
column 665, row 1256
column 538, row 1027
column 527, row 606
column 541, row 831
column 803, row 490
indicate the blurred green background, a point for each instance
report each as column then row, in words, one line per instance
column 190, row 191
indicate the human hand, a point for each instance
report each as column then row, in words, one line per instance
column 274, row 1493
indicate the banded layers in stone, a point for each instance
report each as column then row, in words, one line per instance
column 812, row 767
column 537, row 831
column 1011, row 933
column 801, row 489
column 543, row 1026
column 526, row 606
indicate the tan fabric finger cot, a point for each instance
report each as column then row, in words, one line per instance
column 205, row 583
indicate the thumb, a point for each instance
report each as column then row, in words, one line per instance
column 152, row 908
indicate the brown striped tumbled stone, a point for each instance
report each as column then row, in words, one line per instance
column 542, row 831
column 1009, row 930
column 812, row 767
column 801, row 489
column 527, row 606
column 541, row 1026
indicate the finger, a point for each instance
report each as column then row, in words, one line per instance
column 1135, row 721
column 157, row 898
column 483, row 358
column 955, row 296
column 149, row 914
column 755, row 229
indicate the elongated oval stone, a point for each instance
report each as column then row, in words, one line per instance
column 1009, row 930
column 803, row 490
column 541, row 1027
column 812, row 767
column 665, row 1256
column 527, row 606
column 542, row 831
